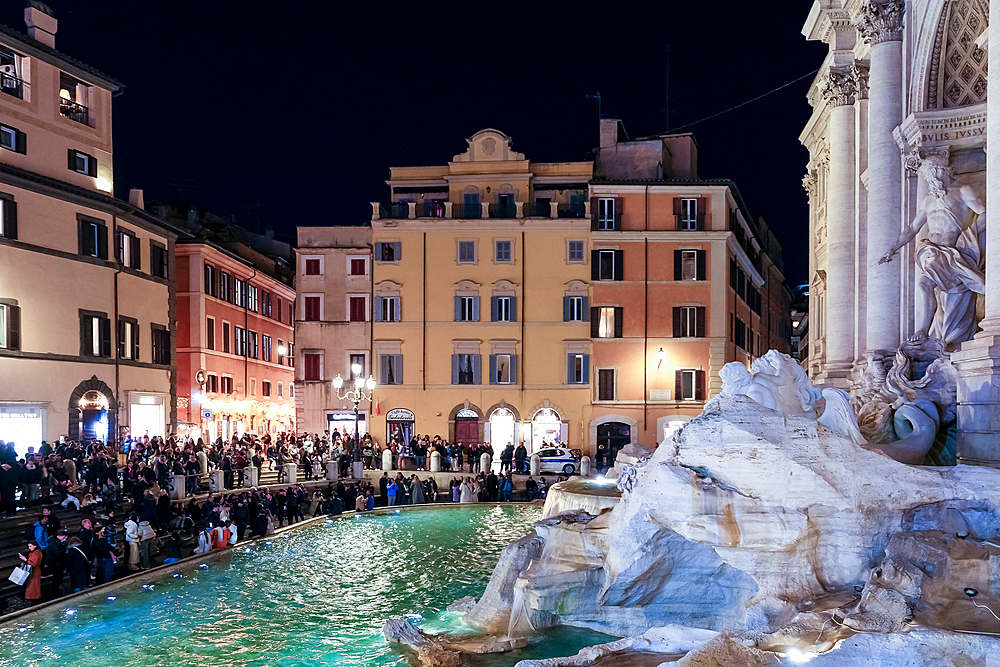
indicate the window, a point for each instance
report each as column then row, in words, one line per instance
column 291, row 363
column 359, row 267
column 265, row 348
column 291, row 389
column 387, row 309
column 688, row 264
column 574, row 251
column 689, row 322
column 252, row 301
column 606, row 321
column 607, row 265
column 312, row 364
column 210, row 333
column 741, row 334
column 356, row 360
column 10, row 74
column 358, row 307
column 252, row 339
column 503, row 368
column 313, row 306
column 227, row 384
column 265, row 304
column 606, row 384
column 388, row 252
column 127, row 249
column 128, row 338
column 157, row 259
column 225, row 286
column 281, row 358
column 277, row 303
column 8, row 217
column 466, row 308
column 13, row 139
column 467, row 252
column 578, row 366
column 690, row 385
column 161, row 344
column 690, row 213
column 504, row 309
column 212, row 384
column 95, row 334
column 82, row 163
column 280, row 390
column 265, row 388
column 575, row 309
column 390, row 369
column 93, row 238
column 466, row 368
column 10, row 327
column 313, row 266
column 240, row 341
column 72, row 95
column 502, row 251
column 239, row 292
column 211, row 285
column 606, row 219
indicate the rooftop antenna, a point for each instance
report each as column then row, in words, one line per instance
column 597, row 96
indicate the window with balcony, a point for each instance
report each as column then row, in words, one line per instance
column 73, row 96
column 11, row 78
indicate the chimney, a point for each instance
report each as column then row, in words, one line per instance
column 612, row 131
column 41, row 23
column 135, row 198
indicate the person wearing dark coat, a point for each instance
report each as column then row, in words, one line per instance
column 520, row 459
column 78, row 565
column 86, row 537
column 492, row 487
column 105, row 555
column 259, row 526
column 383, row 484
column 56, row 561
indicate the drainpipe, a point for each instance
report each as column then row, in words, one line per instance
column 246, row 332
column 524, row 303
column 114, row 351
column 645, row 317
column 423, row 323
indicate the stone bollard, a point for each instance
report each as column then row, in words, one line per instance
column 485, row 462
column 536, row 465
column 585, row 466
column 333, row 470
column 216, row 481
column 178, row 492
column 251, row 477
column 291, row 473
column 358, row 469
column 435, row 461
column 387, row 459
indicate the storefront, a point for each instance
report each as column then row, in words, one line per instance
column 399, row 425
column 343, row 422
column 22, row 424
column 547, row 429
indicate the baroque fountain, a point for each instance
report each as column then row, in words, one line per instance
column 784, row 524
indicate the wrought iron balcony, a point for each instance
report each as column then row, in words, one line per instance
column 467, row 212
column 503, row 211
column 394, row 211
column 538, row 209
column 12, row 85
column 74, row 111
column 434, row 208
column 572, row 210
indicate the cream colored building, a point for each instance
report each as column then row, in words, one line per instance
column 475, row 264
column 86, row 291
column 332, row 324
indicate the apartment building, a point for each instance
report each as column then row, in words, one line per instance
column 86, row 300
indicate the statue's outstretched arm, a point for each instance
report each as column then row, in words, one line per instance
column 905, row 236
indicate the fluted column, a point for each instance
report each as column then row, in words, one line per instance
column 839, row 90
column 881, row 25
column 978, row 360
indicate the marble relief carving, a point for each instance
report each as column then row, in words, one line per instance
column 880, row 22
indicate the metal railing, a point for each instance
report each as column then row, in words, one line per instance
column 431, row 209
column 394, row 211
column 74, row 111
column 12, row 85
column 466, row 211
column 537, row 209
column 572, row 210
column 503, row 211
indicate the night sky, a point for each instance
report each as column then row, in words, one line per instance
column 291, row 113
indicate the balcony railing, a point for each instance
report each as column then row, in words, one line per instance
column 572, row 210
column 74, row 111
column 467, row 211
column 538, row 209
column 12, row 85
column 394, row 211
column 431, row 209
column 503, row 211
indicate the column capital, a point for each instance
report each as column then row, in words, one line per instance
column 838, row 87
column 809, row 182
column 880, row 22
column 859, row 71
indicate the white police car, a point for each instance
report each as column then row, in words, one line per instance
column 557, row 459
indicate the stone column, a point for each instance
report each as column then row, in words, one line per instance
column 881, row 25
column 839, row 90
column 978, row 360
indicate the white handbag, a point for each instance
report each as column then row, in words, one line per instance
column 20, row 574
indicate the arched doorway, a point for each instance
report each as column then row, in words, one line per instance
column 467, row 427
column 547, row 429
column 94, row 417
column 611, row 437
column 502, row 432
column 93, row 412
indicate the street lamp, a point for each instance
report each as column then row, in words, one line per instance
column 357, row 394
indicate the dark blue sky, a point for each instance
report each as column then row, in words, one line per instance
column 291, row 113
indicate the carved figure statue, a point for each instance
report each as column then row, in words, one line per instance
column 779, row 383
column 950, row 258
column 838, row 415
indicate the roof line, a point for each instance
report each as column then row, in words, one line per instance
column 48, row 53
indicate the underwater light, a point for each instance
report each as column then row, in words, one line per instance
column 22, row 629
column 111, row 598
column 268, row 543
column 148, row 587
column 177, row 575
column 71, row 612
column 204, row 566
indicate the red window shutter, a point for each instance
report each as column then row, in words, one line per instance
column 312, row 267
column 619, row 209
column 593, row 213
column 702, row 210
column 699, row 385
column 312, row 366
column 357, row 309
column 700, row 326
column 677, row 322
column 678, row 385
column 312, row 308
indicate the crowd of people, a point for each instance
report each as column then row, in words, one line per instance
column 158, row 531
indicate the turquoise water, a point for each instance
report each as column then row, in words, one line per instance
column 315, row 596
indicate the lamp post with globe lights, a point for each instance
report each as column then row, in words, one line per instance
column 357, row 394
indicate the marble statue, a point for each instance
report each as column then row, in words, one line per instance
column 839, row 417
column 775, row 381
column 950, row 257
